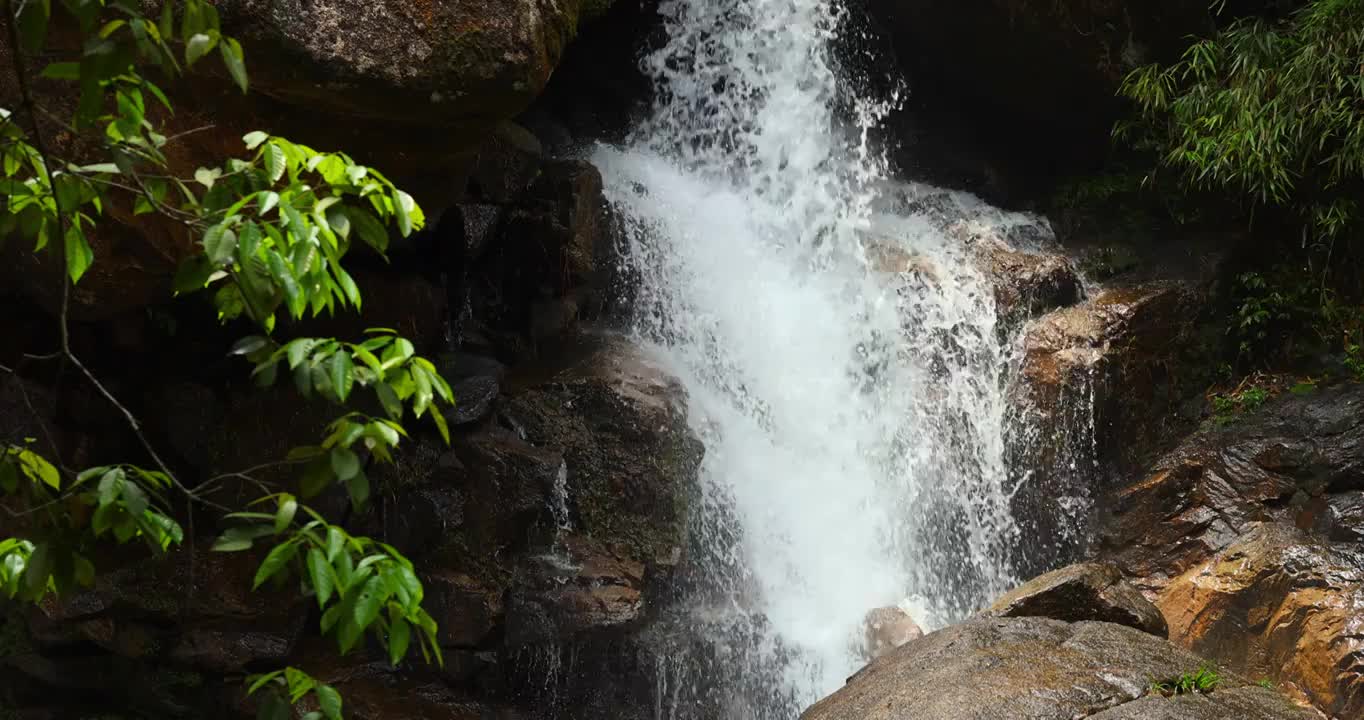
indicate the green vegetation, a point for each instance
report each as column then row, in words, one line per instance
column 1203, row 680
column 272, row 228
column 1268, row 114
column 1266, row 109
column 1228, row 406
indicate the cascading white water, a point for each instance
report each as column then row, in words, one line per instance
column 840, row 352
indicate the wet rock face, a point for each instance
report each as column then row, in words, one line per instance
column 581, row 587
column 1129, row 346
column 1100, row 387
column 630, row 457
column 547, row 259
column 1036, row 668
column 1278, row 603
column 203, row 617
column 1244, row 537
column 1088, row 591
column 436, row 62
column 1027, row 284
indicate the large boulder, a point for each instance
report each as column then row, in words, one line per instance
column 631, row 460
column 1245, row 537
column 463, row 64
column 1001, row 669
column 1087, row 591
column 1278, row 604
column 1117, row 377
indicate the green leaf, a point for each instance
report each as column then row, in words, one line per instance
column 274, row 162
column 249, row 241
column 294, row 222
column 38, row 570
column 63, row 71
column 320, row 571
column 220, row 243
column 389, row 399
column 372, row 232
column 342, row 375
column 110, row 486
column 274, row 562
column 79, row 256
column 288, row 507
column 384, row 433
column 330, row 701
column 317, row 476
column 9, row 476
column 249, row 344
column 233, row 59
column 39, row 469
column 358, row 487
column 336, row 540
column 403, row 205
column 257, row 681
column 399, row 635
column 292, row 292
column 269, row 200
column 104, row 168
column 134, row 498
column 236, row 539
column 441, row 426
column 207, row 176
column 424, row 394
column 254, row 138
column 299, row 683
column 198, row 46
column 193, row 275
column 345, row 463
column 368, row 602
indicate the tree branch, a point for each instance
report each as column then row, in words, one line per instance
column 31, row 108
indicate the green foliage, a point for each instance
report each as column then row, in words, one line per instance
column 70, row 515
column 273, row 228
column 282, row 689
column 385, row 362
column 1204, row 680
column 1282, row 316
column 1354, row 362
column 54, row 203
column 360, row 585
column 1272, row 110
column 1227, row 407
column 1265, row 683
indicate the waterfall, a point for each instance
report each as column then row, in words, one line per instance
column 840, row 350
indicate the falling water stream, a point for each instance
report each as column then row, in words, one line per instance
column 840, row 350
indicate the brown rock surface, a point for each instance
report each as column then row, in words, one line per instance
column 1113, row 378
column 620, row 421
column 1014, row 668
column 582, row 587
column 1278, row 604
column 1243, row 536
column 1087, row 591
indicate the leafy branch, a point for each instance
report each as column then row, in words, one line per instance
column 273, row 228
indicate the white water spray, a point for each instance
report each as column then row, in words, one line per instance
column 839, row 348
